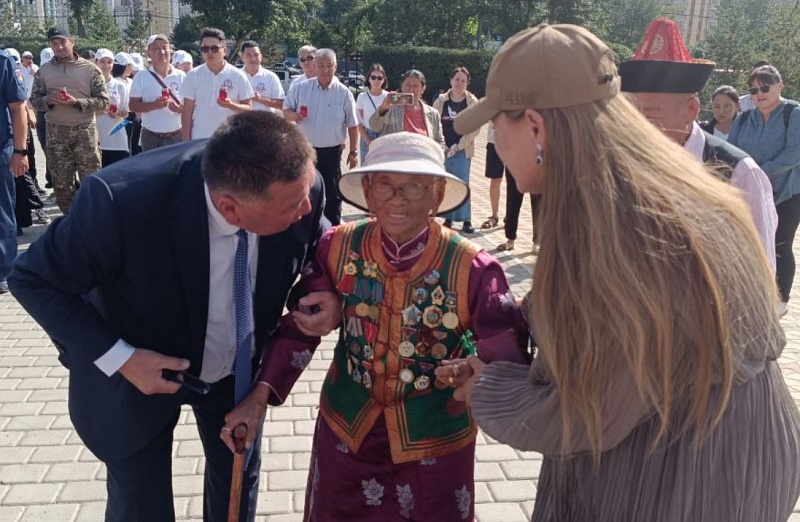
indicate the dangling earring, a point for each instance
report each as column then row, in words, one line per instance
column 539, row 158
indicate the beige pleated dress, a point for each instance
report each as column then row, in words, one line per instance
column 746, row 470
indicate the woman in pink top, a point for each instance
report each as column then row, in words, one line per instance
column 400, row 115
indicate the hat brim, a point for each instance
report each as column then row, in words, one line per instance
column 663, row 76
column 474, row 117
column 456, row 192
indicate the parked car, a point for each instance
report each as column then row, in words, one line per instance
column 285, row 75
column 292, row 68
column 356, row 85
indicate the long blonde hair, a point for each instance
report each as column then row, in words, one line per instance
column 646, row 261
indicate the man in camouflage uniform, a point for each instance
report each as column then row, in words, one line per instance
column 70, row 90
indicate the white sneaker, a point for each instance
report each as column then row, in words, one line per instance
column 783, row 309
column 40, row 217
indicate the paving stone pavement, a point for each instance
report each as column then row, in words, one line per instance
column 46, row 474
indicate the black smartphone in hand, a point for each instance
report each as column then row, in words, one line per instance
column 190, row 382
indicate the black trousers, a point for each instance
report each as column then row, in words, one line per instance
column 140, row 486
column 513, row 206
column 108, row 157
column 329, row 164
column 41, row 134
column 788, row 219
column 27, row 199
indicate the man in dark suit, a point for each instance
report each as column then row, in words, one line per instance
column 139, row 278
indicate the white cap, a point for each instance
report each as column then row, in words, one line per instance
column 404, row 153
column 13, row 53
column 45, row 56
column 138, row 62
column 103, row 53
column 154, row 37
column 27, row 54
column 123, row 59
column 180, row 57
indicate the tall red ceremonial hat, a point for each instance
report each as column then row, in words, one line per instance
column 662, row 63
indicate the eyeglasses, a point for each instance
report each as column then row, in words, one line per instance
column 763, row 88
column 376, row 78
column 307, row 59
column 413, row 191
column 209, row 49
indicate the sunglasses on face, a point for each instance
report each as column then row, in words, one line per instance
column 209, row 49
column 763, row 88
column 376, row 78
column 307, row 59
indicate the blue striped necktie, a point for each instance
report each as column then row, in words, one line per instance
column 243, row 305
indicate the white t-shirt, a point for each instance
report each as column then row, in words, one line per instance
column 148, row 89
column 117, row 91
column 366, row 104
column 719, row 134
column 27, row 78
column 202, row 86
column 267, row 84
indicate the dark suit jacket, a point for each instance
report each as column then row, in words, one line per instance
column 131, row 261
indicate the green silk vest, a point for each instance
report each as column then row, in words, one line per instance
column 397, row 327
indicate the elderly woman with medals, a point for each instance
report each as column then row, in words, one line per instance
column 391, row 443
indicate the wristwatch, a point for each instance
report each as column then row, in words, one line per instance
column 353, row 154
column 21, row 152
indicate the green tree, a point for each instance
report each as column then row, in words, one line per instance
column 733, row 54
column 631, row 18
column 101, row 25
column 138, row 29
column 79, row 9
column 782, row 45
column 257, row 19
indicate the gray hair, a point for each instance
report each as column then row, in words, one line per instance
column 306, row 49
column 325, row 54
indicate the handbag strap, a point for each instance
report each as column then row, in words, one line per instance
column 164, row 86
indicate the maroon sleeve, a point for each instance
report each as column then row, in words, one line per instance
column 494, row 309
column 288, row 351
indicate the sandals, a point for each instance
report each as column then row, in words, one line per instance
column 507, row 246
column 490, row 223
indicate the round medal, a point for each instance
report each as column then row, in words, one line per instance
column 406, row 375
column 450, row 320
column 422, row 382
column 439, row 351
column 406, row 349
column 374, row 312
column 362, row 309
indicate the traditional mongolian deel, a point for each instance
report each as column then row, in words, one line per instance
column 395, row 336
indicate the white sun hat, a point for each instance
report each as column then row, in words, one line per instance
column 404, row 153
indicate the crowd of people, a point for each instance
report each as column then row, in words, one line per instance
column 204, row 272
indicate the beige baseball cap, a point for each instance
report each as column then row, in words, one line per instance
column 544, row 67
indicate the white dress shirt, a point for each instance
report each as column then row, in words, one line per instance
column 220, row 346
column 331, row 111
column 756, row 189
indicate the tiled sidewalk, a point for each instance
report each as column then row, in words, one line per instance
column 47, row 475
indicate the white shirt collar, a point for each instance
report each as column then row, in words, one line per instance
column 217, row 226
column 696, row 142
column 260, row 69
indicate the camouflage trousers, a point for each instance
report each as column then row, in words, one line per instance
column 71, row 149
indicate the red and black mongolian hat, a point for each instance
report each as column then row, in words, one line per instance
column 662, row 63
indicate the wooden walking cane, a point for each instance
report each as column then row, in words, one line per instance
column 239, row 435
